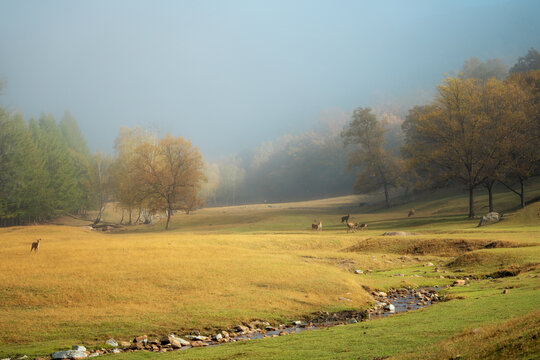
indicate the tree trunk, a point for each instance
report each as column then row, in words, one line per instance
column 130, row 213
column 489, row 187
column 139, row 216
column 100, row 213
column 522, row 194
column 471, row 202
column 169, row 211
column 490, row 198
column 386, row 196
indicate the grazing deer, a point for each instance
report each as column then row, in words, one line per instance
column 362, row 226
column 411, row 213
column 316, row 226
column 35, row 245
column 345, row 219
column 351, row 227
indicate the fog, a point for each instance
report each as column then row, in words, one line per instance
column 230, row 75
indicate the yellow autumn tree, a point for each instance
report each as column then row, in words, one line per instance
column 468, row 131
column 171, row 173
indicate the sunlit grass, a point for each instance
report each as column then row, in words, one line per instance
column 221, row 266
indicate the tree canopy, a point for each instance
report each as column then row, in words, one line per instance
column 378, row 167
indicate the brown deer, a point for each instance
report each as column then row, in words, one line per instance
column 411, row 213
column 316, row 226
column 345, row 219
column 362, row 226
column 351, row 227
column 35, row 245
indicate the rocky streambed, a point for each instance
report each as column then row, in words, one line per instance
column 387, row 303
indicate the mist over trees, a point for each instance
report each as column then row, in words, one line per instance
column 47, row 170
column 482, row 128
column 294, row 167
column 150, row 175
column 44, row 173
column 529, row 62
column 378, row 167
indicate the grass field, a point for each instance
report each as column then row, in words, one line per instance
column 218, row 267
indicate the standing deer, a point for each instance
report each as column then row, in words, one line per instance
column 362, row 226
column 35, row 245
column 411, row 213
column 351, row 227
column 345, row 219
column 316, row 226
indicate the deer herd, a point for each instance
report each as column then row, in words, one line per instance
column 317, row 225
column 352, row 226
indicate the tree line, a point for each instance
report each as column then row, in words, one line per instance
column 47, row 170
column 482, row 128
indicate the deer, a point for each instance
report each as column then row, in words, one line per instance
column 362, row 226
column 316, row 225
column 411, row 213
column 345, row 219
column 351, row 227
column 35, row 245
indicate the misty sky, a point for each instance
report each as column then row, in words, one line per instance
column 230, row 74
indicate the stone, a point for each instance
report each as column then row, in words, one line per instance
column 69, row 354
column 201, row 338
column 489, row 218
column 175, row 344
column 111, row 342
column 353, row 321
column 180, row 340
column 171, row 341
column 459, row 283
column 397, row 233
column 218, row 337
column 116, row 351
column 242, row 328
column 358, row 271
column 136, row 346
column 198, row 344
column 78, row 348
column 257, row 324
column 141, row 339
column 478, row 330
column 343, row 299
column 505, row 291
column 382, row 293
column 297, row 322
column 429, row 264
column 283, row 333
column 390, row 308
column 94, row 354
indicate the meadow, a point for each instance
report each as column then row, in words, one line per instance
column 218, row 267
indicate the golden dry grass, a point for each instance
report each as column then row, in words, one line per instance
column 221, row 266
column 91, row 284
